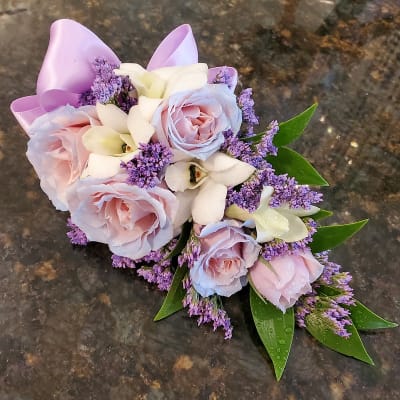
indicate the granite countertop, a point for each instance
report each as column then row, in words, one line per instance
column 71, row 327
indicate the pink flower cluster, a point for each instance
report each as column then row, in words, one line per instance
column 188, row 111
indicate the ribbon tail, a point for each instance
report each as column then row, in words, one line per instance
column 178, row 48
column 26, row 110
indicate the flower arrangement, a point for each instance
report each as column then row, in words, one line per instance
column 163, row 165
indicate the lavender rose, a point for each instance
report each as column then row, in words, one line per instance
column 285, row 278
column 193, row 121
column 225, row 256
column 131, row 220
column 56, row 151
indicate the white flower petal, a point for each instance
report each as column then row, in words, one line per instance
column 148, row 106
column 102, row 140
column 236, row 212
column 185, row 200
column 300, row 212
column 227, row 170
column 177, row 176
column 128, row 140
column 209, row 205
column 140, row 129
column 101, row 166
column 189, row 77
column 266, row 194
column 269, row 224
column 155, row 86
column 113, row 117
column 297, row 229
column 184, row 175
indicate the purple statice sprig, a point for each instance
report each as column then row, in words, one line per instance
column 246, row 103
column 76, row 235
column 109, row 88
column 147, row 168
column 206, row 309
column 329, row 301
column 286, row 191
column 155, row 267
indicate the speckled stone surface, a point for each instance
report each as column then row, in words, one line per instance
column 71, row 327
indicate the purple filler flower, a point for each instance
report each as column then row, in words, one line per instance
column 76, row 235
column 332, row 310
column 208, row 310
column 109, row 88
column 146, row 169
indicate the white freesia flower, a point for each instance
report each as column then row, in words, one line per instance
column 201, row 186
column 158, row 84
column 273, row 222
column 116, row 140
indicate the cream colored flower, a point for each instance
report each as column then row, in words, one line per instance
column 273, row 222
column 116, row 140
column 201, row 186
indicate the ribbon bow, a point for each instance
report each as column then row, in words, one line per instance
column 67, row 70
column 67, row 67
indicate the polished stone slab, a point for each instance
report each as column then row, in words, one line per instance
column 71, row 327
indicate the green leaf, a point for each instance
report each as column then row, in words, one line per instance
column 293, row 128
column 321, row 214
column 353, row 346
column 365, row 319
column 288, row 161
column 275, row 329
column 328, row 237
column 183, row 238
column 173, row 301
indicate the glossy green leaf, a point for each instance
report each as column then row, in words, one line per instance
column 321, row 214
column 173, row 301
column 328, row 237
column 353, row 346
column 287, row 161
column 365, row 319
column 294, row 127
column 183, row 238
column 275, row 329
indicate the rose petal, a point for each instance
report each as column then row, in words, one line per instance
column 209, row 204
column 113, row 117
column 314, row 267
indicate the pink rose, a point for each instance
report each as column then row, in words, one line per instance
column 193, row 121
column 56, row 151
column 285, row 278
column 131, row 220
column 226, row 253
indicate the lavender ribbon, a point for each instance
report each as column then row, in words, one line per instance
column 67, row 70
